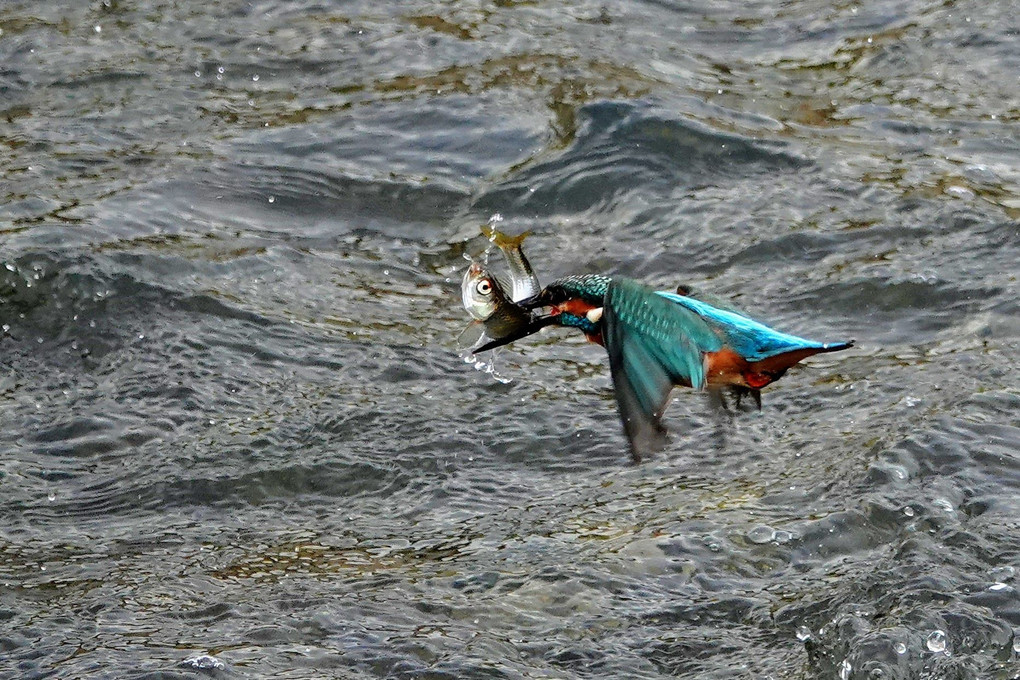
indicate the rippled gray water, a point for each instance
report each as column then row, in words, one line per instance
column 238, row 440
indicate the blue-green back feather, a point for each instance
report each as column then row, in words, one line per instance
column 748, row 338
column 588, row 287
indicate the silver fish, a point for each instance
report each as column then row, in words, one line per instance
column 524, row 282
column 485, row 300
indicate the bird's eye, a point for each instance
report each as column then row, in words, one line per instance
column 484, row 287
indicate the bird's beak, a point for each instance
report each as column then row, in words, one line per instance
column 537, row 324
column 533, row 302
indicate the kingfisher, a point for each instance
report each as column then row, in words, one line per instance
column 657, row 340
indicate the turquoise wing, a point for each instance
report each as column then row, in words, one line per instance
column 653, row 345
column 719, row 302
column 752, row 340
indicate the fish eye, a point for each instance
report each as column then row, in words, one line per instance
column 484, row 287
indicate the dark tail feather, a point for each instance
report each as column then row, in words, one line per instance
column 837, row 346
column 779, row 363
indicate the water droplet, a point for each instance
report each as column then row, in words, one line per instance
column 964, row 193
column 998, row 586
column 936, row 641
column 204, row 662
column 844, row 669
column 900, row 648
column 1016, row 642
column 908, row 511
column 255, row 78
column 51, row 496
column 220, row 69
column 10, row 267
column 761, row 534
column 803, row 633
column 97, row 28
column 272, row 199
column 1002, row 573
column 198, row 74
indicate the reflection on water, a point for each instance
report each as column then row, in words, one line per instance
column 240, row 438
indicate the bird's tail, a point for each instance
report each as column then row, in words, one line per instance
column 778, row 364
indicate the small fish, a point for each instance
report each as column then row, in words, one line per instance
column 504, row 320
column 485, row 301
column 524, row 283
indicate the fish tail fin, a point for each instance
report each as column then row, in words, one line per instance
column 502, row 240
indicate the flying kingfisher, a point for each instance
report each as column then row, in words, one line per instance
column 657, row 340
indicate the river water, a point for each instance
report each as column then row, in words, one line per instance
column 239, row 441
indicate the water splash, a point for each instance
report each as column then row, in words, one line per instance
column 936, row 641
column 494, row 219
column 761, row 534
column 488, row 367
column 204, row 662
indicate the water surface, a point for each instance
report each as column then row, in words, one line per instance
column 238, row 440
